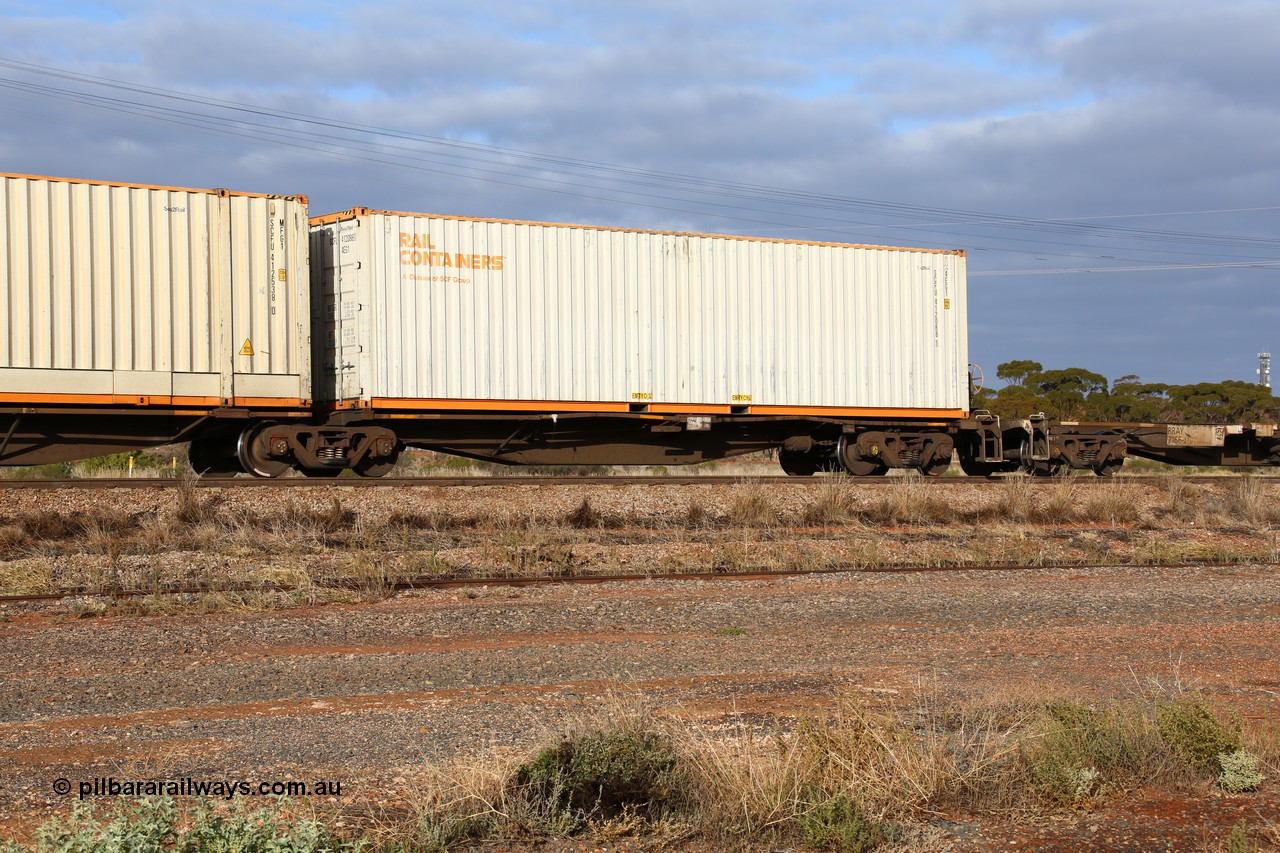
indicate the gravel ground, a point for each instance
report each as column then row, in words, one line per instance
column 365, row 694
column 368, row 694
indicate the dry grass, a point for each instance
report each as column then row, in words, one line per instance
column 835, row 504
column 584, row 517
column 751, row 506
column 827, row 523
column 908, row 501
column 696, row 515
column 1253, row 502
column 866, row 775
column 1184, row 501
column 1114, row 503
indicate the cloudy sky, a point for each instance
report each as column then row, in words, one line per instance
column 1112, row 167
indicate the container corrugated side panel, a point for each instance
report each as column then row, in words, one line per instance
column 123, row 293
column 594, row 315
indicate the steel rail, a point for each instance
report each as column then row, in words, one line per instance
column 578, row 480
column 426, row 582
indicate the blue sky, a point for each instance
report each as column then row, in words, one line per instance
column 1039, row 136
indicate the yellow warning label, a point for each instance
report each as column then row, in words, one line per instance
column 946, row 303
column 283, row 274
column 247, row 349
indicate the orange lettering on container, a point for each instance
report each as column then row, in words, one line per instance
column 411, row 255
column 415, row 241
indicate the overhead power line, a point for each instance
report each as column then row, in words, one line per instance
column 736, row 201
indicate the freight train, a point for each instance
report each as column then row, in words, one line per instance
column 134, row 316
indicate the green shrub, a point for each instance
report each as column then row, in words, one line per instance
column 1238, row 840
column 836, row 823
column 1239, row 771
column 96, row 466
column 1196, row 736
column 1079, row 750
column 601, row 774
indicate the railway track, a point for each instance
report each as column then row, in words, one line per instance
column 436, row 582
column 538, row 480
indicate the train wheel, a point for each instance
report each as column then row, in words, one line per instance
column 1041, row 467
column 936, row 467
column 213, row 458
column 1110, row 467
column 856, row 464
column 251, row 450
column 797, row 464
column 378, row 467
column 974, row 468
column 865, row 468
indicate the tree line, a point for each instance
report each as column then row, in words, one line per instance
column 1076, row 394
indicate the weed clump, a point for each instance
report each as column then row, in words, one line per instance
column 1239, row 772
column 1080, row 750
column 194, row 509
column 909, row 501
column 601, row 775
column 585, row 517
column 433, row 520
column 329, row 519
column 1113, row 504
column 836, row 823
column 12, row 536
column 1196, row 736
column 1249, row 501
column 751, row 508
column 835, row 504
column 1184, row 501
column 696, row 515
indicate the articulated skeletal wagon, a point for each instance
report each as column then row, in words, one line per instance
column 133, row 316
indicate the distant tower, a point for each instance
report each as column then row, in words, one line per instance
column 1264, row 369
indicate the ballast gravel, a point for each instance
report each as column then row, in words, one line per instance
column 366, row 694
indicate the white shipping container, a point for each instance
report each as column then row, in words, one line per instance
column 439, row 312
column 129, row 294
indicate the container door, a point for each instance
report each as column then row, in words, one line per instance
column 340, row 255
column 269, row 300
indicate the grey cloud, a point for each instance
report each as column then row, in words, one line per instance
column 1052, row 109
column 1231, row 51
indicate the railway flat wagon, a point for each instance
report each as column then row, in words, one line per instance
column 133, row 315
column 535, row 342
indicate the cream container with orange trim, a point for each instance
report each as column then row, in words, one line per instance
column 424, row 312
column 140, row 295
